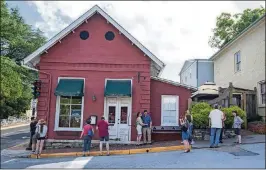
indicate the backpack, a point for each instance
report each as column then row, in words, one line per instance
column 90, row 132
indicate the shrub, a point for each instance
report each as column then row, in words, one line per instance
column 201, row 111
column 230, row 118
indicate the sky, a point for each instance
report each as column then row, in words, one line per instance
column 174, row 31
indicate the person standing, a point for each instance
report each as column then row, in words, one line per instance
column 185, row 133
column 222, row 130
column 102, row 126
column 33, row 140
column 215, row 122
column 189, row 118
column 237, row 126
column 147, row 127
column 139, row 124
column 87, row 134
column 41, row 132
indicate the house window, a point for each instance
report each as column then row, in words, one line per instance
column 237, row 61
column 109, row 36
column 169, row 110
column 69, row 104
column 84, row 35
column 262, row 93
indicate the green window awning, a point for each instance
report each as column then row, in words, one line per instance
column 118, row 88
column 70, row 87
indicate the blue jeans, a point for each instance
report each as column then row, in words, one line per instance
column 86, row 143
column 215, row 136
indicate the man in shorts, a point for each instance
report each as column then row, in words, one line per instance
column 102, row 127
column 33, row 140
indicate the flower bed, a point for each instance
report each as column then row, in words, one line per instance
column 257, row 127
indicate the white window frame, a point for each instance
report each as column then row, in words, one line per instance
column 177, row 111
column 260, row 94
column 237, row 62
column 57, row 128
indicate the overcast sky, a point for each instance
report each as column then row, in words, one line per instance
column 174, row 31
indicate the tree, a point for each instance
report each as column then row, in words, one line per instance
column 228, row 26
column 18, row 40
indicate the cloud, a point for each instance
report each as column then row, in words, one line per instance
column 173, row 30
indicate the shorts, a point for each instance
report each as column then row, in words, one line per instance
column 139, row 130
column 237, row 131
column 34, row 139
column 105, row 138
column 41, row 138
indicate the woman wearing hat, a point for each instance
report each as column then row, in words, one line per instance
column 41, row 131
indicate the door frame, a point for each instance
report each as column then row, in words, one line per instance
column 130, row 104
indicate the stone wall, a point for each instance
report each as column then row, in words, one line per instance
column 204, row 134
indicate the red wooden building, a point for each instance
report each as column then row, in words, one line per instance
column 94, row 67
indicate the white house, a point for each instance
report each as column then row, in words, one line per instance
column 242, row 62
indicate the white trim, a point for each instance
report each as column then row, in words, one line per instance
column 56, row 128
column 173, row 83
column 177, row 111
column 83, row 19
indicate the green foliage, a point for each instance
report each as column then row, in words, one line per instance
column 201, row 111
column 229, row 116
column 18, row 40
column 228, row 26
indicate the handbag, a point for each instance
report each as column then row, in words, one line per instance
column 37, row 134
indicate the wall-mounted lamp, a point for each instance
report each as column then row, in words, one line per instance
column 94, row 98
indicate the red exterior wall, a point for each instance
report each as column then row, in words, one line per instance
column 93, row 59
column 159, row 88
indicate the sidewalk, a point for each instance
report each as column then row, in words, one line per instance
column 119, row 149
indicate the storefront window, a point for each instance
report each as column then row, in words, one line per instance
column 70, row 112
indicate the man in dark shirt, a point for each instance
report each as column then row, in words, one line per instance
column 102, row 126
column 147, row 128
column 32, row 133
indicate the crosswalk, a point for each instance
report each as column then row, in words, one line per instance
column 77, row 163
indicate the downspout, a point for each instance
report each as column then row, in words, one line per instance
column 197, row 72
column 49, row 91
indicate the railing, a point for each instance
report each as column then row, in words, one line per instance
column 14, row 120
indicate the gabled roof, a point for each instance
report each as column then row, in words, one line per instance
column 244, row 32
column 95, row 9
column 190, row 61
column 174, row 83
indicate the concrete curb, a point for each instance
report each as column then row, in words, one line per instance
column 115, row 152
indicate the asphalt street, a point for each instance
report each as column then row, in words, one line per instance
column 14, row 136
column 253, row 157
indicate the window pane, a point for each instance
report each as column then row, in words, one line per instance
column 263, row 99
column 65, row 100
column 76, row 100
column 123, row 118
column 63, row 121
column 169, row 119
column 64, row 110
column 75, row 121
column 75, row 110
column 262, row 88
column 169, row 103
column 111, row 114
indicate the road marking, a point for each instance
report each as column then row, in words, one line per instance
column 77, row 163
column 8, row 161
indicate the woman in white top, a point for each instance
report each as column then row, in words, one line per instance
column 139, row 124
column 41, row 131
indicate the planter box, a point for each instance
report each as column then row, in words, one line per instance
column 204, row 134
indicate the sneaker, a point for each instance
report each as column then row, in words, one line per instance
column 192, row 143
